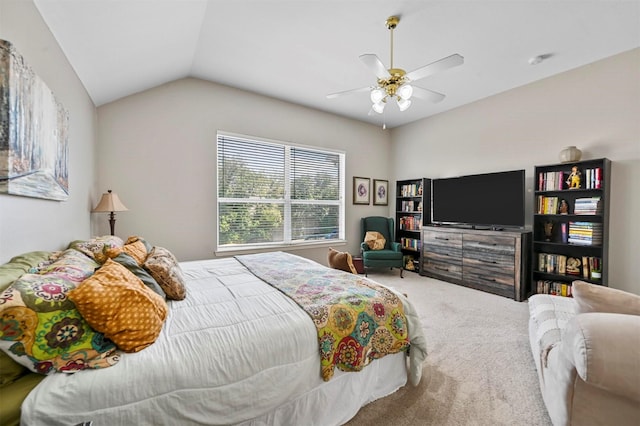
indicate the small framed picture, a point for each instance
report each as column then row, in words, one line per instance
column 380, row 192
column 361, row 190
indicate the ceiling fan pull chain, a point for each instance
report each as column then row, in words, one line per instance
column 391, row 47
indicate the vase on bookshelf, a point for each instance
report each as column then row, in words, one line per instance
column 569, row 154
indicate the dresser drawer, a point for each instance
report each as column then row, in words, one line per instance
column 442, row 269
column 442, row 244
column 490, row 249
column 490, row 271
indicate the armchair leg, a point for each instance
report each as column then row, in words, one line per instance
column 401, row 269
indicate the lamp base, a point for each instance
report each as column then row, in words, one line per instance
column 112, row 222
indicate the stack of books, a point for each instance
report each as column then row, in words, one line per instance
column 551, row 181
column 585, row 233
column 553, row 287
column 592, row 178
column 589, row 205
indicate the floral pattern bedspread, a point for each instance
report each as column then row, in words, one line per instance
column 357, row 320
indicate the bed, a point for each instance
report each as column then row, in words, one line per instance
column 235, row 350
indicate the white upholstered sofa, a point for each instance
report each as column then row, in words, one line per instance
column 587, row 353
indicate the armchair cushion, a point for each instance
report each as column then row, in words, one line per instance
column 375, row 240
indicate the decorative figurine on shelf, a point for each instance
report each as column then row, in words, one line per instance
column 564, row 207
column 574, row 178
column 548, row 230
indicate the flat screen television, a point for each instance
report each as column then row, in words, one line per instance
column 489, row 200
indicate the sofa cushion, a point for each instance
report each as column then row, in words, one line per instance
column 116, row 302
column 597, row 298
column 375, row 240
column 341, row 260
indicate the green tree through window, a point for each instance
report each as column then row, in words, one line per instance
column 272, row 193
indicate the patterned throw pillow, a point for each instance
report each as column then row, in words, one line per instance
column 374, row 240
column 164, row 267
column 95, row 246
column 341, row 260
column 41, row 328
column 117, row 303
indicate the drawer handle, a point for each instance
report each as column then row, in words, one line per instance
column 442, row 238
column 441, row 268
column 480, row 243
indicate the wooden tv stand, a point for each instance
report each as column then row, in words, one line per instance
column 493, row 261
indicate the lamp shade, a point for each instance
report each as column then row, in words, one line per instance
column 403, row 104
column 110, row 202
column 405, row 91
column 378, row 107
column 377, row 95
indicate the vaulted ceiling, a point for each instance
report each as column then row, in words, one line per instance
column 301, row 50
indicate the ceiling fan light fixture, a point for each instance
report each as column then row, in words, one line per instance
column 377, row 95
column 405, row 91
column 378, row 107
column 403, row 104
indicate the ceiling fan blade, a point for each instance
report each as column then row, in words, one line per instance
column 372, row 62
column 434, row 67
column 348, row 92
column 427, row 94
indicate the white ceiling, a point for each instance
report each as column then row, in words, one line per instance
column 301, row 50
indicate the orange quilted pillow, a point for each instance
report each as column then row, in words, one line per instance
column 135, row 249
column 116, row 303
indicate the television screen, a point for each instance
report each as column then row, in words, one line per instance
column 490, row 199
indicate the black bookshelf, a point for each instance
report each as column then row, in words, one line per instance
column 413, row 211
column 570, row 226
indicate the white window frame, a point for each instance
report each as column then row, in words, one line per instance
column 229, row 249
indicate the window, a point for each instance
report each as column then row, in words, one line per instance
column 277, row 194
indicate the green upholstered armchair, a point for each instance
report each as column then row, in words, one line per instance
column 391, row 255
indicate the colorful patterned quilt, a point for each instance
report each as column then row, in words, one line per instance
column 357, row 320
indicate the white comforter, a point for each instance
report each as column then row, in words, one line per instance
column 235, row 351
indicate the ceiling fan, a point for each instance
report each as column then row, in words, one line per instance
column 395, row 82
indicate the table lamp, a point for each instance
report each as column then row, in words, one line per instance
column 110, row 202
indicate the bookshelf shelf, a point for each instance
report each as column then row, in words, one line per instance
column 570, row 226
column 413, row 211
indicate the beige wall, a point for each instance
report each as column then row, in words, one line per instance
column 157, row 151
column 28, row 224
column 595, row 107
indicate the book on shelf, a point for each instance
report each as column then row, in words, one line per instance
column 551, row 181
column 587, row 205
column 554, row 288
column 410, row 223
column 411, row 190
column 592, row 178
column 410, row 243
column 587, row 267
column 547, row 205
column 585, row 233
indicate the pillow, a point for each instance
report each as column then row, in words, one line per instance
column 41, row 329
column 374, row 240
column 597, row 298
column 96, row 245
column 135, row 247
column 164, row 267
column 71, row 265
column 116, row 302
column 132, row 265
column 341, row 260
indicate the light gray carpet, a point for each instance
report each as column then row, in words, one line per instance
column 479, row 370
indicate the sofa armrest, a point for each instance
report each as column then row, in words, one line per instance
column 605, row 350
column 364, row 246
column 395, row 246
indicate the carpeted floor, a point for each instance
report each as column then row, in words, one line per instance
column 479, row 370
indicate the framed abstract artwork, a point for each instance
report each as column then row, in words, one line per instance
column 361, row 190
column 380, row 192
column 34, row 153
